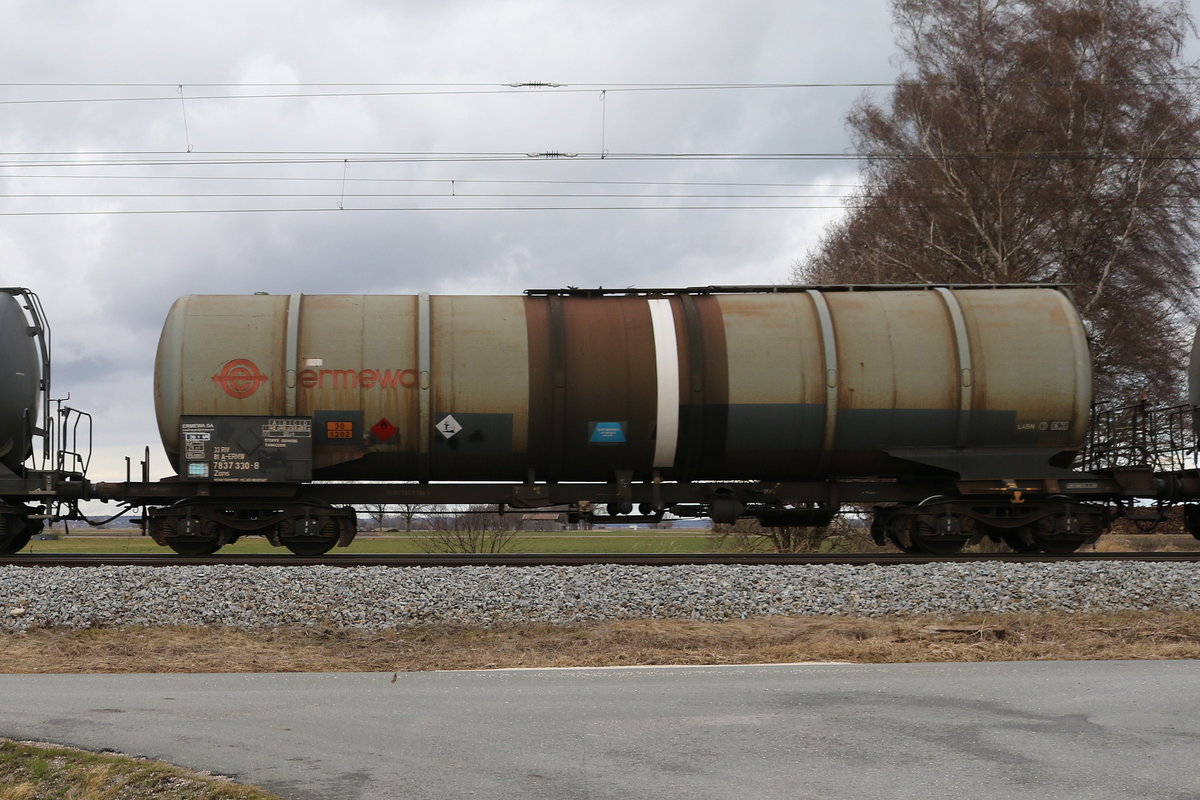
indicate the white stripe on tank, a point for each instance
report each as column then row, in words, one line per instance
column 666, row 357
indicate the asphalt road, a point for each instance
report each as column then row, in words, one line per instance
column 1040, row 730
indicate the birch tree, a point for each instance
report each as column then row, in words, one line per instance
column 1038, row 141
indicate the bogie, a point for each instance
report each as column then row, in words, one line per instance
column 946, row 527
column 308, row 527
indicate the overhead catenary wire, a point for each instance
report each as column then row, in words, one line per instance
column 448, row 193
column 103, row 158
column 383, row 90
column 573, row 194
column 261, row 158
column 84, row 165
column 417, row 209
column 413, row 209
column 847, row 200
column 533, row 181
column 449, row 181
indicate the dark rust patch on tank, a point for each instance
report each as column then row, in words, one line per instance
column 704, row 393
column 592, row 387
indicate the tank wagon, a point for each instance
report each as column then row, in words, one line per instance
column 946, row 413
column 576, row 387
column 31, row 493
column 937, row 404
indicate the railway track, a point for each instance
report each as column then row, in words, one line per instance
column 564, row 559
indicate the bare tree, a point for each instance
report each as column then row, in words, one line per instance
column 845, row 533
column 1038, row 141
column 748, row 536
column 409, row 511
column 376, row 512
column 478, row 529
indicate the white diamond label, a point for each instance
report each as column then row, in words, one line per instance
column 449, row 426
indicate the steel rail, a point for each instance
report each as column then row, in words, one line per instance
column 565, row 559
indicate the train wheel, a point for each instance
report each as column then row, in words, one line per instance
column 879, row 528
column 310, row 547
column 315, row 535
column 1021, row 540
column 1061, row 545
column 926, row 538
column 15, row 544
column 1064, row 534
column 194, row 547
column 895, row 529
column 1191, row 520
column 15, row 533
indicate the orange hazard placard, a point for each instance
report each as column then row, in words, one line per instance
column 339, row 430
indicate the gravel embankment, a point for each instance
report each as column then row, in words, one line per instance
column 376, row 598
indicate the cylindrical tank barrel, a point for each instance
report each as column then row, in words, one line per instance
column 787, row 384
column 20, row 382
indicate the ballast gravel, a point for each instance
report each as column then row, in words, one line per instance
column 380, row 598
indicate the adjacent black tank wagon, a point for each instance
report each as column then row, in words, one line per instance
column 36, row 482
column 21, row 391
column 949, row 413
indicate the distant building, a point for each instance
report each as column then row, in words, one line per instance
column 545, row 521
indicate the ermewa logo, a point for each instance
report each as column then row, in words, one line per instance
column 358, row 378
column 239, row 378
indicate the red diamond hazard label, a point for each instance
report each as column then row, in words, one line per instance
column 384, row 430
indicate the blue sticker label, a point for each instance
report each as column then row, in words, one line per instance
column 197, row 470
column 607, row 433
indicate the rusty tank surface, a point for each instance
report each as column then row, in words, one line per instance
column 739, row 383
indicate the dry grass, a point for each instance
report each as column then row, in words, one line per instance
column 1137, row 542
column 32, row 771
column 1169, row 535
column 1130, row 635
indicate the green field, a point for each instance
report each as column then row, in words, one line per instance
column 646, row 541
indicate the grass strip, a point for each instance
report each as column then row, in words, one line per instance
column 33, row 771
column 915, row 638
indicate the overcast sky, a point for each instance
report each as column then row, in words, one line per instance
column 390, row 131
